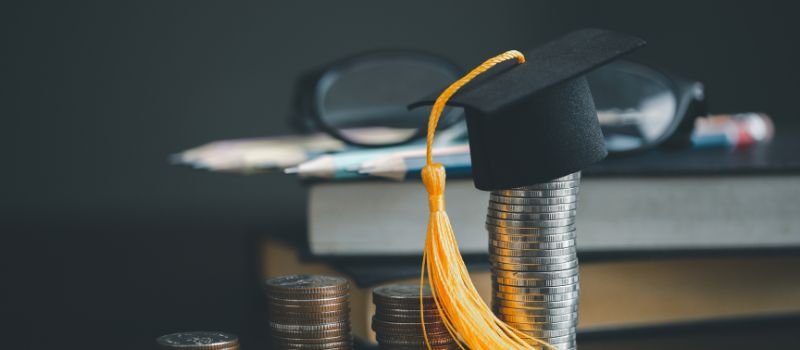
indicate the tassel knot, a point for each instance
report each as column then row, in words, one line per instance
column 433, row 176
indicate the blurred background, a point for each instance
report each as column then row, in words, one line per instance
column 105, row 244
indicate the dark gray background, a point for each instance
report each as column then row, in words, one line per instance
column 106, row 245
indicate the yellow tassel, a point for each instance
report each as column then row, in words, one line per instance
column 465, row 315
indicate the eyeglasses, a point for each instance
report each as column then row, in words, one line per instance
column 362, row 100
column 640, row 108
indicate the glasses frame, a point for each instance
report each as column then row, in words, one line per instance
column 311, row 87
column 690, row 105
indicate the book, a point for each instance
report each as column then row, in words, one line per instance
column 681, row 200
column 614, row 214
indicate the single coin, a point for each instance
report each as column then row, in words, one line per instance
column 537, row 234
column 332, row 341
column 402, row 294
column 566, row 342
column 333, row 344
column 307, row 328
column 532, row 216
column 546, row 307
column 531, row 260
column 306, row 321
column 574, row 176
column 311, row 335
column 407, row 312
column 534, row 300
column 532, row 331
column 552, row 282
column 535, row 274
column 510, row 208
column 328, row 340
column 308, row 309
column 538, row 319
column 313, row 315
column 533, row 201
column 510, row 311
column 534, row 267
column 326, row 301
column 430, row 316
column 532, row 245
column 552, row 185
column 572, row 191
column 566, row 325
column 532, row 238
column 379, row 325
column 307, row 285
column 410, row 341
column 546, row 297
column 539, row 312
column 531, row 224
column 532, row 252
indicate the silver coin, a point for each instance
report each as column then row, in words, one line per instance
column 548, row 326
column 306, row 328
column 566, row 342
column 552, row 282
column 535, row 274
column 531, row 216
column 546, row 297
column 500, row 309
column 539, row 307
column 534, row 267
column 532, row 245
column 307, row 284
column 533, row 330
column 401, row 293
column 522, row 293
column 531, row 232
column 307, row 301
column 510, row 208
column 535, row 301
column 530, row 224
column 531, row 260
column 537, row 193
column 532, row 252
column 533, row 201
column 534, row 319
column 574, row 176
column 552, row 185
column 533, row 238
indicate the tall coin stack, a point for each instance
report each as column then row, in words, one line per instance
column 309, row 312
column 397, row 321
column 532, row 253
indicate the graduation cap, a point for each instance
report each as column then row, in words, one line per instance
column 532, row 122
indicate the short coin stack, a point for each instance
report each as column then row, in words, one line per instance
column 198, row 341
column 309, row 312
column 397, row 321
column 534, row 266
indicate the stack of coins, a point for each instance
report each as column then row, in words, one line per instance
column 309, row 312
column 198, row 341
column 532, row 253
column 398, row 324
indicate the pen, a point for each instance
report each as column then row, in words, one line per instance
column 343, row 165
column 257, row 154
column 402, row 168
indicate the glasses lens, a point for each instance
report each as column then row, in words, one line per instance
column 635, row 105
column 367, row 102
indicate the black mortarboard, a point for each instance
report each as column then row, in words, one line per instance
column 533, row 122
